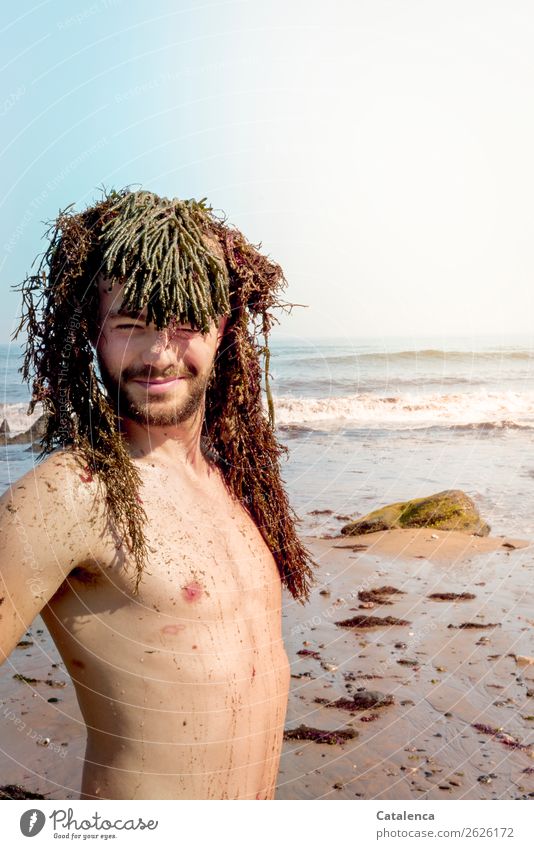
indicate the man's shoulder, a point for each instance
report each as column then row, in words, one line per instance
column 61, row 480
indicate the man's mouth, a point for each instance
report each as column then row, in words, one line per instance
column 158, row 384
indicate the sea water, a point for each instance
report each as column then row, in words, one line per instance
column 368, row 422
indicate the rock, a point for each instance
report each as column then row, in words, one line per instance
column 450, row 510
column 34, row 433
column 4, row 427
column 487, row 779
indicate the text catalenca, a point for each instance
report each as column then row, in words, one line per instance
column 403, row 815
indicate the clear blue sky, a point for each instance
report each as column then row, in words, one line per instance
column 380, row 150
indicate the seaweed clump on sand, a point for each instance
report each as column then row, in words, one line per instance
column 15, row 791
column 502, row 737
column 451, row 596
column 316, row 735
column 363, row 700
column 476, row 625
column 371, row 622
column 26, row 680
column 379, row 595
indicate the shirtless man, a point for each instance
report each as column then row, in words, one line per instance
column 182, row 684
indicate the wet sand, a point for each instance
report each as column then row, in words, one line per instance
column 441, row 681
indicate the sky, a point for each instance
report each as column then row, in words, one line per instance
column 380, row 151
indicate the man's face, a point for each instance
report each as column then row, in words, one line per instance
column 153, row 377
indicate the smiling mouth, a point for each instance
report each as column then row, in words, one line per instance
column 158, row 384
column 157, row 381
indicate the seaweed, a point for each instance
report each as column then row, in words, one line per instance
column 476, row 625
column 363, row 700
column 371, row 622
column 451, row 596
column 378, row 595
column 316, row 735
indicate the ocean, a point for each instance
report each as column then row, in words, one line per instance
column 368, row 422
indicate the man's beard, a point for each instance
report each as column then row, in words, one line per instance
column 145, row 412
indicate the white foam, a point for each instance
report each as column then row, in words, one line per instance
column 410, row 410
column 17, row 417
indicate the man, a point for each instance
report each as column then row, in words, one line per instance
column 155, row 534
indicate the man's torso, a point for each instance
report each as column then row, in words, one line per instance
column 183, row 687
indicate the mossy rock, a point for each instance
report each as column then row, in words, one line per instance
column 450, row 510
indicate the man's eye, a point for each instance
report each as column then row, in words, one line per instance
column 129, row 326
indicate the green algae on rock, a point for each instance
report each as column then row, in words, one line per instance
column 450, row 510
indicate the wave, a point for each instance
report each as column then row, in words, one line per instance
column 505, row 424
column 440, row 354
column 326, row 386
column 17, row 416
column 481, row 409
column 425, row 354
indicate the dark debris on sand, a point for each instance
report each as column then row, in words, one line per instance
column 49, row 681
column 501, row 736
column 15, row 791
column 451, row 596
column 362, row 700
column 379, row 595
column 316, row 735
column 477, row 625
column 371, row 622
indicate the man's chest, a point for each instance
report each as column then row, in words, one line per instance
column 206, row 557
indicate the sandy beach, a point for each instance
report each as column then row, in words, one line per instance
column 432, row 710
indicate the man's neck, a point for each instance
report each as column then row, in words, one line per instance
column 174, row 446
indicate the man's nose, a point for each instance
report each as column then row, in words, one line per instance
column 157, row 347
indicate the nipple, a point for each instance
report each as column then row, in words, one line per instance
column 192, row 591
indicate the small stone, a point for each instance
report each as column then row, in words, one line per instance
column 486, row 779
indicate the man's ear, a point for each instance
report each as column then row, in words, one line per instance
column 221, row 329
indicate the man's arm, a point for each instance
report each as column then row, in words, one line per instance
column 44, row 534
